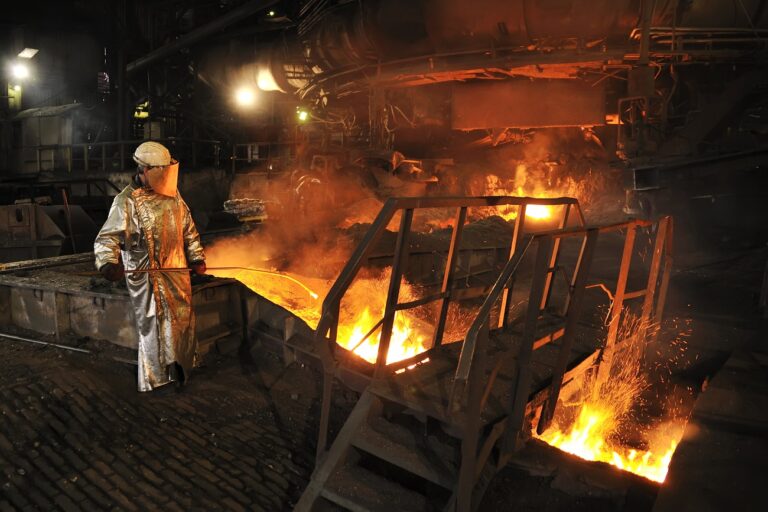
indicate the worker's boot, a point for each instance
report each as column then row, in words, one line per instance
column 178, row 373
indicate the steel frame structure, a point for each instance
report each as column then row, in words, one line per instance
column 488, row 434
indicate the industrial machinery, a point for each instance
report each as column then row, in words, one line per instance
column 668, row 90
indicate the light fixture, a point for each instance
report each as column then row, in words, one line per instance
column 265, row 80
column 271, row 14
column 303, row 115
column 19, row 71
column 245, row 97
column 28, row 53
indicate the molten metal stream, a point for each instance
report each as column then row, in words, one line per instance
column 249, row 269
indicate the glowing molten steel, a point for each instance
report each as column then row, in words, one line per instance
column 538, row 211
column 358, row 316
column 405, row 341
column 588, row 439
column 596, row 429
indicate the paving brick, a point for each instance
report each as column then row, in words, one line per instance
column 98, row 480
column 123, row 502
column 83, row 443
column 97, row 496
column 12, row 494
column 102, row 468
column 239, row 496
column 40, row 500
column 233, row 505
column 45, row 487
column 150, row 475
column 52, row 456
column 121, row 483
column 66, row 504
column 74, row 460
column 70, row 489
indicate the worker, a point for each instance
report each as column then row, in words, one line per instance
column 149, row 227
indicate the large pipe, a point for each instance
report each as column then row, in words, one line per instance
column 199, row 33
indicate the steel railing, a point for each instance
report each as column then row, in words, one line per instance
column 327, row 329
column 116, row 155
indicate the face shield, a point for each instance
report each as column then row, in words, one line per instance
column 164, row 180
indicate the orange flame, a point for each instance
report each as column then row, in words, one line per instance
column 588, row 438
column 405, row 341
column 496, row 186
column 596, row 432
column 359, row 314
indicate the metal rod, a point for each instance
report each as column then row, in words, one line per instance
column 393, row 294
column 40, row 342
column 449, row 274
column 190, row 38
column 573, row 315
column 186, row 269
column 69, row 220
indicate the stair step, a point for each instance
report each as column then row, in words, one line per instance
column 426, row 457
column 360, row 490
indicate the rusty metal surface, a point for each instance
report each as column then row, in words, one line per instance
column 57, row 300
column 526, row 104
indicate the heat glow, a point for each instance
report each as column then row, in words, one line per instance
column 359, row 313
column 596, row 427
column 589, row 438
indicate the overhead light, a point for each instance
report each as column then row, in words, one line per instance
column 19, row 71
column 271, row 14
column 303, row 115
column 245, row 97
column 28, row 53
column 265, row 80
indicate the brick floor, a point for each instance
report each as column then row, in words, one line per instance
column 75, row 435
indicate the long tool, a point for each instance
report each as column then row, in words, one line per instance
column 247, row 269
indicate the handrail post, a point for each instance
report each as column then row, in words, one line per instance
column 507, row 293
column 450, row 268
column 617, row 307
column 647, row 320
column 554, row 260
column 471, row 425
column 522, row 381
column 393, row 294
column 573, row 314
column 665, row 274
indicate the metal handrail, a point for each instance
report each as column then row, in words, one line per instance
column 470, row 345
column 327, row 327
column 332, row 300
column 123, row 147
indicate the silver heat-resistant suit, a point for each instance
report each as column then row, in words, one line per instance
column 154, row 231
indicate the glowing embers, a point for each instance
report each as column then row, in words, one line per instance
column 598, row 426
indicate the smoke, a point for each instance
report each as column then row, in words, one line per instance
column 554, row 163
column 303, row 235
column 317, row 216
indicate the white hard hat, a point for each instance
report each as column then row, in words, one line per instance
column 152, row 154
